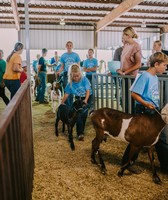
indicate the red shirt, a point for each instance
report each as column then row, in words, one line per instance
column 23, row 77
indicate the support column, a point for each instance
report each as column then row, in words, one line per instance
column 95, row 40
column 27, row 42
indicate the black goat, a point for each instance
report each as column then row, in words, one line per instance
column 69, row 117
column 138, row 130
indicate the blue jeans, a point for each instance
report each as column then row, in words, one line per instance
column 41, row 88
column 13, row 86
column 80, row 124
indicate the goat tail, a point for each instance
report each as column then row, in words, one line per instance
column 91, row 112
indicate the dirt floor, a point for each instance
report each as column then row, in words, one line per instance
column 62, row 174
column 69, row 175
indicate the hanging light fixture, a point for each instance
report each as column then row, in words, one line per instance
column 143, row 25
column 62, row 22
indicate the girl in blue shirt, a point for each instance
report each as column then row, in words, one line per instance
column 78, row 86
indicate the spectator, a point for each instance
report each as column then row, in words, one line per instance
column 90, row 65
column 2, row 85
column 118, row 52
column 80, row 87
column 130, row 60
column 35, row 63
column 23, row 75
column 14, row 69
column 157, row 47
column 67, row 59
column 42, row 73
column 145, row 90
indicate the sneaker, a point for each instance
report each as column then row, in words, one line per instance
column 81, row 137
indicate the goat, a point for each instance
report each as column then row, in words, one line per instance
column 32, row 83
column 48, row 91
column 69, row 117
column 138, row 130
column 55, row 96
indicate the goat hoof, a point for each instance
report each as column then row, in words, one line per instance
column 120, row 173
column 103, row 171
column 156, row 179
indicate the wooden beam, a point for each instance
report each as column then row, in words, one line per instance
column 16, row 14
column 117, row 12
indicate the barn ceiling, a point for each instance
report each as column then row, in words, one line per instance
column 149, row 13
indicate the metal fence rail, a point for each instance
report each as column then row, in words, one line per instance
column 16, row 147
column 113, row 91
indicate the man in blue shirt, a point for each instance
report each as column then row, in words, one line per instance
column 67, row 59
column 35, row 63
column 90, row 65
column 42, row 74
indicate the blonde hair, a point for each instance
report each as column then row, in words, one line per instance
column 158, row 57
column 74, row 68
column 130, row 31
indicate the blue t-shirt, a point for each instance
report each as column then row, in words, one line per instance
column 34, row 65
column 90, row 63
column 57, row 65
column 79, row 88
column 68, row 59
column 147, row 86
column 42, row 62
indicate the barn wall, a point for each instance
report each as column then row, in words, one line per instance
column 55, row 37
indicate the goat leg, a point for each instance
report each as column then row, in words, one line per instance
column 95, row 147
column 56, row 126
column 156, row 178
column 63, row 127
column 130, row 155
column 71, row 138
column 102, row 165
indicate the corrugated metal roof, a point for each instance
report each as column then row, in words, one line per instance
column 85, row 12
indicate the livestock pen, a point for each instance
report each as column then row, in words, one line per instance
column 62, row 174
column 16, row 147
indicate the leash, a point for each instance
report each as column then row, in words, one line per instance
column 157, row 111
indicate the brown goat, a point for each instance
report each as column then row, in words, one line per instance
column 138, row 130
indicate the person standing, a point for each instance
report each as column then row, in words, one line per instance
column 90, row 65
column 35, row 64
column 145, row 90
column 2, row 85
column 130, row 59
column 79, row 86
column 23, row 75
column 67, row 59
column 14, row 69
column 42, row 74
column 157, row 47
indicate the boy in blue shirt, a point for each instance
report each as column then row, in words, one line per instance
column 79, row 86
column 90, row 65
column 67, row 59
column 145, row 90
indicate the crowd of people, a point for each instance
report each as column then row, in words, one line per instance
column 145, row 89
